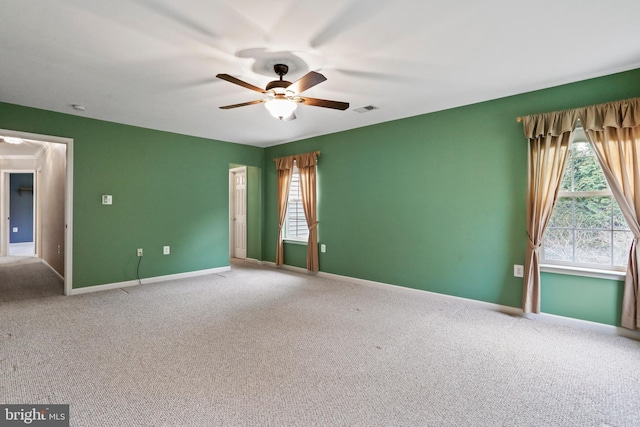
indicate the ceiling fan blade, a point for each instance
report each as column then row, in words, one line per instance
column 239, row 82
column 336, row 105
column 307, row 81
column 258, row 101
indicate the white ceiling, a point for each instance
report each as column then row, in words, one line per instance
column 28, row 149
column 152, row 63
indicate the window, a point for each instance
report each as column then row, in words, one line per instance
column 586, row 228
column 295, row 227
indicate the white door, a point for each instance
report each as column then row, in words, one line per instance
column 239, row 219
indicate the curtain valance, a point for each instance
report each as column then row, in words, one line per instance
column 307, row 160
column 618, row 114
column 304, row 160
column 284, row 163
column 549, row 124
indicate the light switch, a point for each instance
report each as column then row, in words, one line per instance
column 107, row 199
column 518, row 270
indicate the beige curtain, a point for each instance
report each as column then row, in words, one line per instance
column 307, row 168
column 284, row 166
column 549, row 137
column 614, row 131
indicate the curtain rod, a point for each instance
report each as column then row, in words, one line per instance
column 317, row 153
column 519, row 119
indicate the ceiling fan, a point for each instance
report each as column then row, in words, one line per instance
column 283, row 97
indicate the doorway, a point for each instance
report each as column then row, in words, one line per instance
column 238, row 212
column 52, row 194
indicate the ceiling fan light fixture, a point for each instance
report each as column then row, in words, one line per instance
column 12, row 140
column 281, row 108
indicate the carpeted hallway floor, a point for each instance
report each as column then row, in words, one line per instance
column 258, row 346
column 25, row 278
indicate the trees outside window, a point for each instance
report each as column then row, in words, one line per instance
column 586, row 227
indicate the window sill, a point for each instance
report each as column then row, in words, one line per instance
column 584, row 272
column 295, row 242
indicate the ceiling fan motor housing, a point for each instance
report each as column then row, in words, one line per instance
column 281, row 70
column 277, row 83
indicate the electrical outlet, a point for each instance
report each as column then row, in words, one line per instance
column 323, row 248
column 139, row 252
column 518, row 270
column 166, row 250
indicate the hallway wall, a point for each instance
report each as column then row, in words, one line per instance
column 51, row 197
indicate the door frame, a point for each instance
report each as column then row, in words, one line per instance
column 68, row 195
column 5, row 229
column 232, row 181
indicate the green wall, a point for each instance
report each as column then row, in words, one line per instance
column 168, row 189
column 437, row 202
column 586, row 298
column 255, row 205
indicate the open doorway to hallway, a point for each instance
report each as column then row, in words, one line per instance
column 36, row 201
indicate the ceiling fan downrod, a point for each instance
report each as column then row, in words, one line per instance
column 281, row 69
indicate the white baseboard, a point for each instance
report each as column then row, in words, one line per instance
column 273, row 264
column 443, row 297
column 516, row 311
column 146, row 280
column 52, row 269
column 585, row 324
column 290, row 268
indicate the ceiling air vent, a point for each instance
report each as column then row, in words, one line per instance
column 365, row 109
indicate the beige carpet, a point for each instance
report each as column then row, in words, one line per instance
column 7, row 260
column 256, row 346
column 26, row 278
